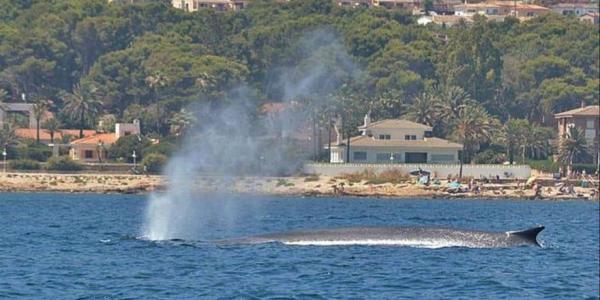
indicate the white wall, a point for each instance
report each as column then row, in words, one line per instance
column 123, row 129
column 440, row 170
column 397, row 133
column 339, row 154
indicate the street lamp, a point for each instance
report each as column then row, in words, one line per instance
column 134, row 159
column 4, row 154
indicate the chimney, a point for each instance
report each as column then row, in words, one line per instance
column 368, row 119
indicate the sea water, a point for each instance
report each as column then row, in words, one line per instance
column 58, row 246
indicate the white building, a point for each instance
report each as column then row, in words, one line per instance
column 577, row 9
column 94, row 148
column 396, row 141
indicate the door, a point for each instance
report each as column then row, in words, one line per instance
column 415, row 157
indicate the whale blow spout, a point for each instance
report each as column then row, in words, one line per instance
column 427, row 237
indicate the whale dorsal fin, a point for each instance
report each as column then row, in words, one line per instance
column 529, row 234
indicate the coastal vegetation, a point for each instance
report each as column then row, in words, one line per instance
column 493, row 86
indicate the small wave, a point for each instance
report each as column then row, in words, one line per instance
column 373, row 242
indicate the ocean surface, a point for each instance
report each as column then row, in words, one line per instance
column 58, row 246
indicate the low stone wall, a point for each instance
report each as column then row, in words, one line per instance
column 440, row 170
column 112, row 168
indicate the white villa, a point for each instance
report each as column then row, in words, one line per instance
column 396, row 141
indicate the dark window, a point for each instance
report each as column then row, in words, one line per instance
column 385, row 136
column 415, row 157
column 127, row 133
column 359, row 155
column 428, row 134
column 88, row 154
column 410, row 137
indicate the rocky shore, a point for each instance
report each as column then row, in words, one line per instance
column 300, row 185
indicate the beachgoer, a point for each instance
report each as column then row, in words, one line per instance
column 538, row 190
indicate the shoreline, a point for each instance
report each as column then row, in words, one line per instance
column 314, row 186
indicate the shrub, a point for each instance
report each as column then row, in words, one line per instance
column 164, row 148
column 63, row 163
column 35, row 152
column 124, row 147
column 589, row 168
column 24, row 164
column 154, row 162
column 547, row 166
column 489, row 156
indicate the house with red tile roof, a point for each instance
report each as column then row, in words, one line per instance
column 47, row 138
column 94, row 148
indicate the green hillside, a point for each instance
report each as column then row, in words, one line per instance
column 150, row 61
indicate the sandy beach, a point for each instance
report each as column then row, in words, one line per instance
column 299, row 185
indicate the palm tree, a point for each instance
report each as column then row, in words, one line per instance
column 156, row 82
column 181, row 121
column 8, row 136
column 473, row 127
column 81, row 105
column 572, row 146
column 39, row 111
column 425, row 109
column 511, row 135
column 388, row 105
column 535, row 140
column 52, row 126
column 453, row 100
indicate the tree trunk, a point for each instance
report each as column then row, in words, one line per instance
column 348, row 148
column 37, row 131
column 52, row 137
column 462, row 155
column 82, row 123
column 329, row 141
column 314, row 134
column 157, row 117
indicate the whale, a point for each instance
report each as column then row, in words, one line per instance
column 427, row 237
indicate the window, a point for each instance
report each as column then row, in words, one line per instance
column 383, row 157
column 359, row 155
column 385, row 136
column 442, row 158
column 589, row 123
column 410, row 137
column 590, row 134
column 415, row 157
column 88, row 154
column 428, row 134
column 127, row 133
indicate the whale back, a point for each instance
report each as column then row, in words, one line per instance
column 409, row 236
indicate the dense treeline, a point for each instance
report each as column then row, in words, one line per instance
column 91, row 58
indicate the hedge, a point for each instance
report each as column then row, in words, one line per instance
column 154, row 162
column 63, row 163
column 24, row 164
